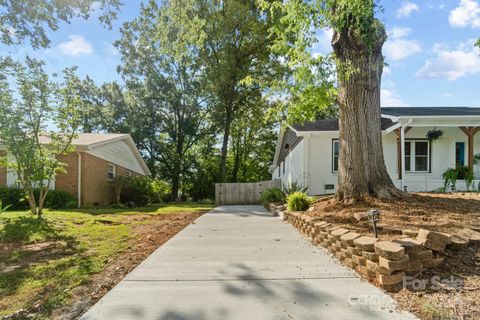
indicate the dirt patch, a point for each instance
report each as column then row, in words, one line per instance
column 21, row 256
column 148, row 237
column 450, row 291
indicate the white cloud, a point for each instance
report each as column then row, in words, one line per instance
column 389, row 98
column 466, row 14
column 387, row 71
column 76, row 45
column 399, row 32
column 452, row 64
column 406, row 9
column 397, row 47
column 324, row 43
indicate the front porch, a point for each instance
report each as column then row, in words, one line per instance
column 420, row 162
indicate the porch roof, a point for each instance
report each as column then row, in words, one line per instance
column 430, row 111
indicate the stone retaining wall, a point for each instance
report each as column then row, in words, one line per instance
column 383, row 262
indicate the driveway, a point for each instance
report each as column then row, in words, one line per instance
column 239, row 262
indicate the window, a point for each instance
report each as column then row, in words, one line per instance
column 128, row 173
column 111, row 172
column 279, row 171
column 417, row 156
column 335, row 153
column 408, row 147
column 283, row 167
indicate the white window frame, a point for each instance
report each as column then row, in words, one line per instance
column 413, row 156
column 335, row 141
column 129, row 173
column 111, row 169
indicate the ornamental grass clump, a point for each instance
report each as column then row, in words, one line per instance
column 298, row 201
column 272, row 195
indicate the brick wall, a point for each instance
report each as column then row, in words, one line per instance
column 68, row 181
column 3, row 172
column 96, row 190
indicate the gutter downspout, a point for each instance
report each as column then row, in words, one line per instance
column 79, row 180
column 402, row 148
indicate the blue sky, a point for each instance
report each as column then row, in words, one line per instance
column 430, row 52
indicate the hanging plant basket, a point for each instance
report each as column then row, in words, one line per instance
column 434, row 134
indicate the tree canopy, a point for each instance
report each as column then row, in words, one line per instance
column 30, row 20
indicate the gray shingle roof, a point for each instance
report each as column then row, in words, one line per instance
column 330, row 125
column 430, row 111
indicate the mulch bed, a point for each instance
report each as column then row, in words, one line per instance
column 452, row 290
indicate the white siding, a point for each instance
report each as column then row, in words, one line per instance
column 321, row 169
column 12, row 178
column 317, row 151
column 294, row 165
column 120, row 153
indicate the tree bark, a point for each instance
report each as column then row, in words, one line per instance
column 362, row 169
column 226, row 137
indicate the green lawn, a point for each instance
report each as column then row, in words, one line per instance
column 81, row 242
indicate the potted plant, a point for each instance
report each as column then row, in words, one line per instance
column 434, row 134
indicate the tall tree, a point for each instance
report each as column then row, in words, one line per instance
column 25, row 112
column 164, row 79
column 234, row 47
column 21, row 20
column 357, row 42
column 251, row 148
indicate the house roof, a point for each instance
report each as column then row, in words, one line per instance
column 329, row 125
column 88, row 142
column 430, row 111
column 91, row 139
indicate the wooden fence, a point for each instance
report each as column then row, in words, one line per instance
column 242, row 193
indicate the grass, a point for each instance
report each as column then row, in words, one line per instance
column 152, row 209
column 83, row 242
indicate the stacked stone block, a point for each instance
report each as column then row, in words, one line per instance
column 383, row 262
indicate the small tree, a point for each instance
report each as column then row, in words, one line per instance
column 118, row 183
column 27, row 109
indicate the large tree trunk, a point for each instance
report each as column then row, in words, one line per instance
column 362, row 168
column 175, row 187
column 223, row 157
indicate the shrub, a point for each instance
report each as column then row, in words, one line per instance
column 298, row 201
column 14, row 197
column 56, row 199
column 59, row 199
column 450, row 177
column 469, row 176
column 144, row 190
column 294, row 187
column 272, row 195
column 160, row 191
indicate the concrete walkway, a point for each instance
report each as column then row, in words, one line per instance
column 238, row 262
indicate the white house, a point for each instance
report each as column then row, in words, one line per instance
column 307, row 153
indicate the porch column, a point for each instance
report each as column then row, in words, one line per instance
column 400, row 151
column 470, row 132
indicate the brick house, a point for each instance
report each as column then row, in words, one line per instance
column 97, row 159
